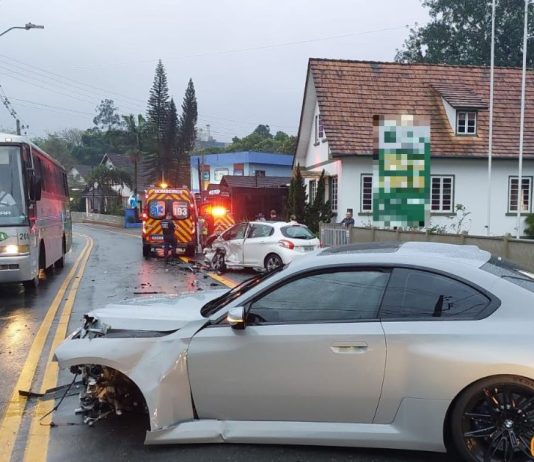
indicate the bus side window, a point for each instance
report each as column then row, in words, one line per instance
column 39, row 171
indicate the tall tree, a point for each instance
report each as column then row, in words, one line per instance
column 459, row 32
column 319, row 211
column 187, row 134
column 169, row 158
column 134, row 140
column 297, row 197
column 157, row 111
column 107, row 117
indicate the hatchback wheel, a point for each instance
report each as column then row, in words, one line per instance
column 493, row 420
column 272, row 261
column 218, row 263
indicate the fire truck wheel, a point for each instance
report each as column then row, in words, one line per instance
column 146, row 251
column 217, row 262
column 190, row 251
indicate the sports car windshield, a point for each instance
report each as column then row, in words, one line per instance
column 511, row 272
column 217, row 303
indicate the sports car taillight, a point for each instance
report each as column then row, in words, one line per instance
column 286, row 244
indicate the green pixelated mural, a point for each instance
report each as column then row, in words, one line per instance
column 401, row 179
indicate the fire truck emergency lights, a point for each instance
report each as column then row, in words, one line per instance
column 218, row 211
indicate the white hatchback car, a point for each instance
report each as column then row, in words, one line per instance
column 261, row 245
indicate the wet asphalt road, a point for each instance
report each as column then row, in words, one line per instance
column 116, row 271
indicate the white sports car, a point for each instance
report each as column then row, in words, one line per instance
column 260, row 245
column 411, row 346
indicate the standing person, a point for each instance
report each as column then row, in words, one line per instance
column 169, row 239
column 293, row 219
column 274, row 216
column 348, row 221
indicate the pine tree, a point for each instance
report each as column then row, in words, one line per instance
column 297, row 197
column 169, row 154
column 320, row 210
column 157, row 111
column 187, row 134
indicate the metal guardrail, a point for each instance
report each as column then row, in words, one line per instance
column 334, row 234
column 82, row 217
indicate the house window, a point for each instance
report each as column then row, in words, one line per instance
column 466, row 123
column 321, row 126
column 333, row 193
column 313, row 190
column 366, row 193
column 316, row 129
column 526, row 188
column 219, row 173
column 259, row 172
column 442, row 194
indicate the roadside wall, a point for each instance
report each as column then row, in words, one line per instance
column 112, row 220
column 520, row 251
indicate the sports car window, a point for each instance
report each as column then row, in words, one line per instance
column 260, row 231
column 416, row 294
column 510, row 272
column 343, row 296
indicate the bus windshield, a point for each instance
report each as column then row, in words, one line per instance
column 12, row 206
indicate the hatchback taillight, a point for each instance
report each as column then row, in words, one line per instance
column 286, row 244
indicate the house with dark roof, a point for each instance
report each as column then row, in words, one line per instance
column 240, row 163
column 124, row 162
column 80, row 173
column 342, row 98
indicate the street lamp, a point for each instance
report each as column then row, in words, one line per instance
column 26, row 27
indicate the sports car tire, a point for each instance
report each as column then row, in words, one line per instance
column 493, row 420
column 272, row 261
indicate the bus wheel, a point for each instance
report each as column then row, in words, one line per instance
column 31, row 284
column 60, row 263
column 146, row 251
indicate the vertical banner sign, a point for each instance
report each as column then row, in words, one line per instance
column 401, row 179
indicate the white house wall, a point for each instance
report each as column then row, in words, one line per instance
column 316, row 153
column 470, row 190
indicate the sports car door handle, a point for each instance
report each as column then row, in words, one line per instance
column 344, row 348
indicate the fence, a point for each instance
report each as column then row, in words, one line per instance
column 520, row 251
column 112, row 220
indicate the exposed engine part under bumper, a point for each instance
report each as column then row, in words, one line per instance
column 106, row 391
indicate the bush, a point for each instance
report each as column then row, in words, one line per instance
column 529, row 222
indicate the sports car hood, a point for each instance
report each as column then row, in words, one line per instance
column 155, row 314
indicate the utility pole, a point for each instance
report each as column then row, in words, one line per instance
column 3, row 97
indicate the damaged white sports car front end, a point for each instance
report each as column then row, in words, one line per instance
column 132, row 357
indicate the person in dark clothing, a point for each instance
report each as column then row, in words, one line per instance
column 348, row 221
column 169, row 239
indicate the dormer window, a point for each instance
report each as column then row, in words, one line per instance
column 466, row 122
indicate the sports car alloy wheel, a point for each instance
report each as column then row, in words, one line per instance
column 494, row 421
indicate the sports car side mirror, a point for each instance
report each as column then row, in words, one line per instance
column 236, row 317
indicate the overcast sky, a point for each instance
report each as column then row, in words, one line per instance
column 247, row 58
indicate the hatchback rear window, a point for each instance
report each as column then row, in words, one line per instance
column 511, row 272
column 297, row 232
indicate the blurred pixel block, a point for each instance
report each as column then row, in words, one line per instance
column 401, row 177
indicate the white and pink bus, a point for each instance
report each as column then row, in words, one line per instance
column 35, row 223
